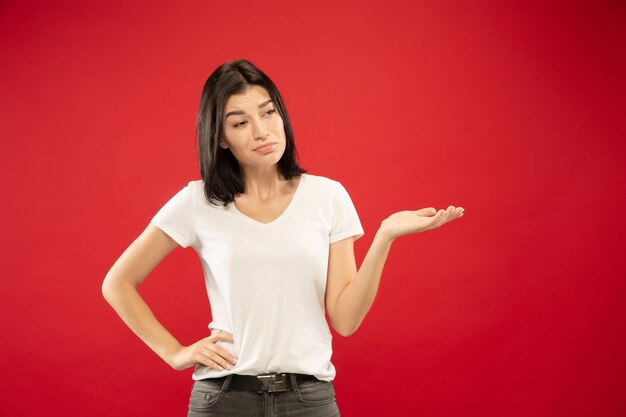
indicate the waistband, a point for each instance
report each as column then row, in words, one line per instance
column 270, row 382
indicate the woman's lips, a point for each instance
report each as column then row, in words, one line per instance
column 269, row 147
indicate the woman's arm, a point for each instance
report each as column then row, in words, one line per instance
column 350, row 294
column 120, row 291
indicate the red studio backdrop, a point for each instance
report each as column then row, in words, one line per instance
column 512, row 110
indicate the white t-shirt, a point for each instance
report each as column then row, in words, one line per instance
column 266, row 281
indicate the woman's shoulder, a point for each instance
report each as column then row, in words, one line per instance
column 320, row 180
column 196, row 188
column 196, row 183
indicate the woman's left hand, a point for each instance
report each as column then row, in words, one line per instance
column 405, row 222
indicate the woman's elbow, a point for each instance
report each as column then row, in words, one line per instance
column 346, row 334
column 344, row 330
column 107, row 288
column 110, row 287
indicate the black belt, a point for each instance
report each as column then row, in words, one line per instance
column 272, row 382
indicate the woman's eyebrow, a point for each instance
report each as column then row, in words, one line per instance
column 234, row 112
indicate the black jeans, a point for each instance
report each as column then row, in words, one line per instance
column 309, row 399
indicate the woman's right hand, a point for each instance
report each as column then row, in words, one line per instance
column 205, row 352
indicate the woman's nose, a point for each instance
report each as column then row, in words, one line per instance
column 260, row 131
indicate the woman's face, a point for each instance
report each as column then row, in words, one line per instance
column 253, row 128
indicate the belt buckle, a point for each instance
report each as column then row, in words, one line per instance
column 272, row 382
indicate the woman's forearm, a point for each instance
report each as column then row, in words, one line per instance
column 133, row 310
column 356, row 299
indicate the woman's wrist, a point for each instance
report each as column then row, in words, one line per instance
column 169, row 354
column 384, row 235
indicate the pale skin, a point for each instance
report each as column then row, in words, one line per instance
column 349, row 292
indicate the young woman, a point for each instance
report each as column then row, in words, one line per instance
column 276, row 246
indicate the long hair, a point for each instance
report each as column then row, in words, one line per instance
column 223, row 178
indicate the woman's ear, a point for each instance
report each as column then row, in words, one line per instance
column 223, row 144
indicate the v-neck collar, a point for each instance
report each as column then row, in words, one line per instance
column 293, row 201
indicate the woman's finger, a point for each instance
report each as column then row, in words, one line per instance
column 449, row 215
column 216, row 359
column 207, row 361
column 224, row 353
column 438, row 217
column 216, row 337
column 426, row 212
column 208, row 358
column 444, row 217
column 455, row 213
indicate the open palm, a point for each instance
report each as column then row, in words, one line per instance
column 408, row 221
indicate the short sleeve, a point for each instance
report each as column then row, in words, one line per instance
column 176, row 217
column 346, row 221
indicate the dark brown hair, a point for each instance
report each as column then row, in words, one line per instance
column 223, row 178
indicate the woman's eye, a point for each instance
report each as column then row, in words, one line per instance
column 243, row 122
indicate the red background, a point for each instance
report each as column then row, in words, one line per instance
column 513, row 110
